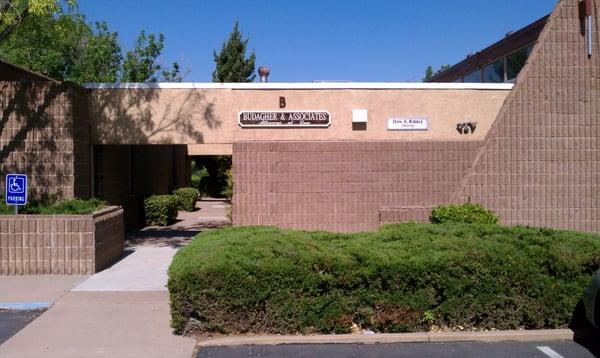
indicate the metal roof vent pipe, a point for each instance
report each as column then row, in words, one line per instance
column 264, row 71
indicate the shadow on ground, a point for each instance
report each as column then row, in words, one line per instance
column 175, row 237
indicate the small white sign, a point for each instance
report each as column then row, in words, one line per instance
column 407, row 124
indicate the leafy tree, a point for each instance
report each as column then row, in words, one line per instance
column 99, row 59
column 429, row 72
column 14, row 12
column 140, row 64
column 172, row 74
column 231, row 63
column 64, row 46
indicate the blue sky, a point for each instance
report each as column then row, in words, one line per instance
column 306, row 40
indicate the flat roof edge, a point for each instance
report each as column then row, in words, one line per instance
column 304, row 85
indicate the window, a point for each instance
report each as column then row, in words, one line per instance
column 494, row 72
column 515, row 62
column 473, row 77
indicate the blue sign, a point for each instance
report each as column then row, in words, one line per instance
column 16, row 189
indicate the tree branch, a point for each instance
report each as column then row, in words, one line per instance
column 10, row 28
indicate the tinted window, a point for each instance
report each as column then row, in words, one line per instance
column 474, row 76
column 515, row 62
column 494, row 72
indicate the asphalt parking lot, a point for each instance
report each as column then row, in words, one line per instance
column 12, row 321
column 556, row 349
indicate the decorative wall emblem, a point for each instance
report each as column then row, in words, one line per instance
column 466, row 127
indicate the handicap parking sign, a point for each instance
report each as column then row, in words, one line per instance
column 16, row 189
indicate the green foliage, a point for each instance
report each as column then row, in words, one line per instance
column 228, row 191
column 161, row 210
column 463, row 213
column 215, row 183
column 429, row 72
column 231, row 63
column 49, row 206
column 186, row 198
column 66, row 47
column 14, row 12
column 199, row 178
column 141, row 63
column 401, row 278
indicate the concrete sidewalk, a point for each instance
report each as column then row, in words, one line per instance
column 122, row 311
column 102, row 324
column 36, row 289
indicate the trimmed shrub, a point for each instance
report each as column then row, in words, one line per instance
column 402, row 278
column 160, row 210
column 53, row 207
column 199, row 178
column 463, row 213
column 187, row 198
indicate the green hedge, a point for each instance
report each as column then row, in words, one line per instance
column 53, row 207
column 401, row 278
column 187, row 198
column 161, row 210
column 463, row 213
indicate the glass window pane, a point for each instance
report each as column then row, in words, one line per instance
column 473, row 77
column 494, row 72
column 515, row 62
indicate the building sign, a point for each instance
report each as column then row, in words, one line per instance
column 407, row 124
column 16, row 189
column 284, row 119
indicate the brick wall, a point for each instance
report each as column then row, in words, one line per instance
column 60, row 244
column 341, row 186
column 42, row 132
column 125, row 175
column 540, row 164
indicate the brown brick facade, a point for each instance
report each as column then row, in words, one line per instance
column 44, row 133
column 538, row 165
column 60, row 244
column 341, row 186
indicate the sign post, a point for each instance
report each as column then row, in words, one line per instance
column 16, row 190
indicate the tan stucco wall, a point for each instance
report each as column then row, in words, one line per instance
column 210, row 116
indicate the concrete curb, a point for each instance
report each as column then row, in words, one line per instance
column 493, row 336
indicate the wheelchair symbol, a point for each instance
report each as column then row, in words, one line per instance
column 16, row 185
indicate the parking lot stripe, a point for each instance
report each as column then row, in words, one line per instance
column 549, row 352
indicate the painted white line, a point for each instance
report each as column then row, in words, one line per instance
column 549, row 352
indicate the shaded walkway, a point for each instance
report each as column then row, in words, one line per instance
column 149, row 251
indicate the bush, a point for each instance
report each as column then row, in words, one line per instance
column 228, row 193
column 186, row 198
column 199, row 178
column 401, row 278
column 48, row 206
column 161, row 210
column 463, row 213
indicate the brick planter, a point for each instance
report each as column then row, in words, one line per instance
column 60, row 244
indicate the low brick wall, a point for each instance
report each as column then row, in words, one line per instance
column 398, row 214
column 60, row 244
